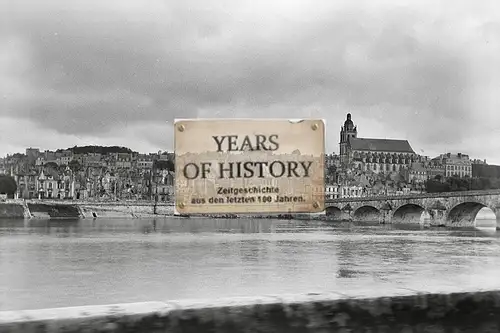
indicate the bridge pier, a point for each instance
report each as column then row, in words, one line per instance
column 497, row 213
column 437, row 217
column 385, row 217
column 347, row 213
column 346, row 216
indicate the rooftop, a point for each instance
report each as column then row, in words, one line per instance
column 450, row 156
column 381, row 145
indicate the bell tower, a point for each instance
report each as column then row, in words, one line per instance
column 347, row 132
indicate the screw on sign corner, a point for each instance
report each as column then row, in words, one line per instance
column 181, row 205
column 316, row 205
column 314, row 127
column 181, row 128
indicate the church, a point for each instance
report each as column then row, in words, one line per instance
column 376, row 155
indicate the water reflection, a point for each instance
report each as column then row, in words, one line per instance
column 348, row 267
column 47, row 263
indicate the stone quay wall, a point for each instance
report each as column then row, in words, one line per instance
column 125, row 210
column 80, row 209
column 54, row 209
column 319, row 313
column 11, row 210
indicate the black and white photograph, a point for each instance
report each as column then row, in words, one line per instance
column 233, row 166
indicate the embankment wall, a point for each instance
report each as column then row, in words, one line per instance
column 403, row 312
column 125, row 210
column 52, row 210
column 11, row 210
column 46, row 209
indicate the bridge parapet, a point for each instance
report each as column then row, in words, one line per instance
column 416, row 196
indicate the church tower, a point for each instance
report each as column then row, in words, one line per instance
column 347, row 132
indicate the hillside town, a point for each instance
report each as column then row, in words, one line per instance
column 363, row 167
column 372, row 167
column 91, row 173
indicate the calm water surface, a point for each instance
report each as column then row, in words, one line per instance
column 87, row 262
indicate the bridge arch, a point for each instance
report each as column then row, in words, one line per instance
column 464, row 214
column 333, row 212
column 409, row 213
column 366, row 213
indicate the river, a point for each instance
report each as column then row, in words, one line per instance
column 61, row 263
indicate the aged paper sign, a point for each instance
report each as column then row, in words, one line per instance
column 249, row 166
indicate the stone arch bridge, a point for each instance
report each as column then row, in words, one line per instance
column 450, row 209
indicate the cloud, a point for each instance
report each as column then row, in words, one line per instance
column 138, row 137
column 416, row 70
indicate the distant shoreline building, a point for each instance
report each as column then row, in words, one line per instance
column 455, row 164
column 376, row 155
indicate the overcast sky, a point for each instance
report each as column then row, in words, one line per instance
column 118, row 72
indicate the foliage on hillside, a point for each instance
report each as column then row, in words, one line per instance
column 99, row 149
column 7, row 185
column 164, row 165
column 75, row 166
column 51, row 165
column 487, row 171
column 331, row 174
column 453, row 184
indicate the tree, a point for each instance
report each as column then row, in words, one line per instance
column 483, row 183
column 52, row 165
column 100, row 149
column 435, row 186
column 74, row 165
column 495, row 183
column 331, row 173
column 164, row 165
column 458, row 184
column 7, row 185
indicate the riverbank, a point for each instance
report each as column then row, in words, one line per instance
column 83, row 209
column 46, row 209
column 401, row 310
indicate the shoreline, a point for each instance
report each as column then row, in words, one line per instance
column 64, row 210
column 52, row 209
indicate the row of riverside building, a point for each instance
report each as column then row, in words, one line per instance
column 64, row 174
column 364, row 167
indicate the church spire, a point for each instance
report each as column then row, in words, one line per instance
column 347, row 132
